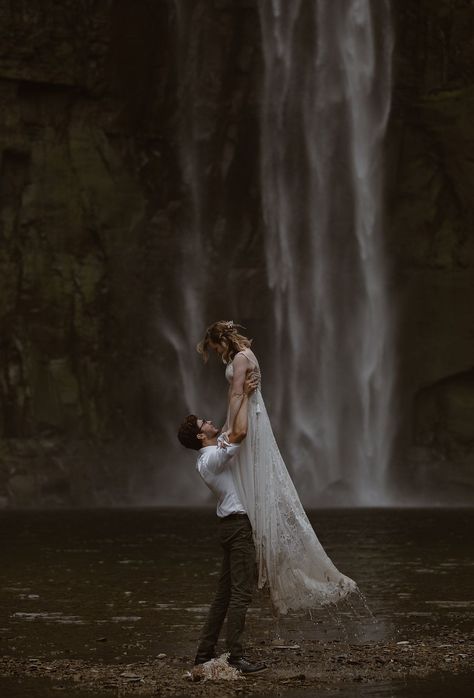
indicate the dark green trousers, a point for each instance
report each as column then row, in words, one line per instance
column 234, row 590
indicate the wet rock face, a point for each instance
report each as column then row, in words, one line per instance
column 93, row 209
column 431, row 146
column 77, row 253
column 444, row 436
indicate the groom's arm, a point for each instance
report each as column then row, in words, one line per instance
column 229, row 444
column 240, row 426
column 236, row 391
column 219, row 459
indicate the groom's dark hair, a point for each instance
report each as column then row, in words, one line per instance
column 188, row 433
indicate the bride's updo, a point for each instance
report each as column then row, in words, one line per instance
column 225, row 333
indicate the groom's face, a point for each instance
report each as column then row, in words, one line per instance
column 207, row 428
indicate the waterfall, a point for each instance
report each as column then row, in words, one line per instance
column 181, row 315
column 325, row 104
column 185, row 325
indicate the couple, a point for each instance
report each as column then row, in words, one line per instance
column 256, row 500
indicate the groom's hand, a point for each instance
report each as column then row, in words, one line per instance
column 251, row 383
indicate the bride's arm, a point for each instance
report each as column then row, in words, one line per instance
column 236, row 390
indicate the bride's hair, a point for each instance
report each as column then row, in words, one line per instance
column 224, row 332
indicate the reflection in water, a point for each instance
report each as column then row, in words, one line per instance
column 438, row 685
column 123, row 585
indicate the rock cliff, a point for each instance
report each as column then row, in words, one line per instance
column 94, row 202
column 431, row 145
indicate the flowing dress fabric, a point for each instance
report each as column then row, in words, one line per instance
column 290, row 558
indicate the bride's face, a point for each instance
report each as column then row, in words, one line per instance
column 218, row 347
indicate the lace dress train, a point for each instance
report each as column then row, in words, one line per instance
column 290, row 558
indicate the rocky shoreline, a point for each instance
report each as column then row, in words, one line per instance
column 313, row 665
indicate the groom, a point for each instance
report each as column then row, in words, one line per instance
column 234, row 591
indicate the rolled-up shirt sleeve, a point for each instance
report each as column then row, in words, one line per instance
column 220, row 458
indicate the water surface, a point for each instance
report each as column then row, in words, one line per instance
column 124, row 585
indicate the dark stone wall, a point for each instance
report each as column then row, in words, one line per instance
column 87, row 173
column 431, row 243
column 97, row 98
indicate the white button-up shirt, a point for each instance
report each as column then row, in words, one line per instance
column 214, row 465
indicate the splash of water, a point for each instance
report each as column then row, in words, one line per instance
column 325, row 104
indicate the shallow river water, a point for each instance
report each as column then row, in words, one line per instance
column 125, row 585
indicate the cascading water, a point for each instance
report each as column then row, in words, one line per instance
column 186, row 322
column 181, row 317
column 325, row 104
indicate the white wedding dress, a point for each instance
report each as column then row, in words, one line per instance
column 290, row 558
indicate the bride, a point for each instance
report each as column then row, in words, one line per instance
column 290, row 558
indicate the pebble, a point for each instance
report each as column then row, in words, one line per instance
column 130, row 676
